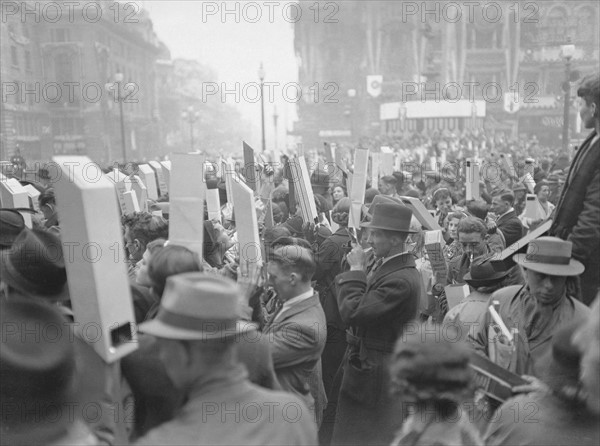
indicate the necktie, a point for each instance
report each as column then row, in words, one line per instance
column 374, row 268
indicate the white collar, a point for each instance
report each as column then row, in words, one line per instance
column 296, row 300
column 507, row 212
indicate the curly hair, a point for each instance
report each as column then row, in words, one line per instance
column 470, row 225
column 145, row 227
column 341, row 212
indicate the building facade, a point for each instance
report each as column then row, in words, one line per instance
column 56, row 97
column 505, row 53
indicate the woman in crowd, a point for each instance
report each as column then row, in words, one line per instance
column 453, row 247
column 430, row 372
column 542, row 192
column 338, row 193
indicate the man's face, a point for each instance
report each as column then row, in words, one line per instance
column 472, row 243
column 587, row 341
column 385, row 188
column 142, row 277
column 499, row 206
column 133, row 247
column 280, row 281
column 380, row 242
column 587, row 113
column 544, row 288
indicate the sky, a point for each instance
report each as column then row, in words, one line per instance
column 233, row 46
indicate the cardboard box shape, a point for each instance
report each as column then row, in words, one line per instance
column 166, row 170
column 533, row 208
column 434, row 245
column 269, row 220
column 455, row 294
column 131, row 202
column 162, row 184
column 249, row 170
column 329, row 154
column 148, row 176
column 421, row 212
column 359, row 182
column 141, row 192
column 247, row 233
column 529, row 182
column 213, row 204
column 303, row 189
column 387, row 162
column 34, row 196
column 186, row 202
column 119, row 181
column 375, row 164
column 94, row 259
column 503, row 261
column 472, row 180
column 506, row 163
column 14, row 196
column 493, row 380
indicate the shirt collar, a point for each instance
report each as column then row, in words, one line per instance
column 387, row 259
column 507, row 212
column 296, row 300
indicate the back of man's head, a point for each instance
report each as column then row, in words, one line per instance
column 295, row 259
column 471, row 225
column 477, row 209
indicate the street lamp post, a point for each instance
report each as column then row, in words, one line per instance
column 275, row 117
column 191, row 117
column 567, row 52
column 117, row 91
column 261, row 76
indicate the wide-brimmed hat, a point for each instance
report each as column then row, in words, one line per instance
column 11, row 225
column 482, row 273
column 37, row 373
column 198, row 306
column 550, row 255
column 390, row 217
column 35, row 266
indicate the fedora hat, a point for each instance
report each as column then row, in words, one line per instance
column 35, row 266
column 378, row 199
column 11, row 225
column 198, row 306
column 550, row 255
column 482, row 273
column 37, row 373
column 390, row 217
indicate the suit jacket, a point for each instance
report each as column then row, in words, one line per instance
column 377, row 310
column 297, row 336
column 578, row 211
column 511, row 227
column 228, row 409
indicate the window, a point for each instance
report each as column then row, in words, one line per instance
column 14, row 56
column 28, row 60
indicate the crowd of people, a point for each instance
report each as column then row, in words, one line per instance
column 345, row 335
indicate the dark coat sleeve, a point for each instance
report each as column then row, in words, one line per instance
column 585, row 235
column 328, row 257
column 512, row 229
column 360, row 305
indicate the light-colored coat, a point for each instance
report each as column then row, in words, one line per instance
column 228, row 409
column 297, row 337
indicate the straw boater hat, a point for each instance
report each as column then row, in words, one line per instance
column 390, row 217
column 550, row 255
column 198, row 306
